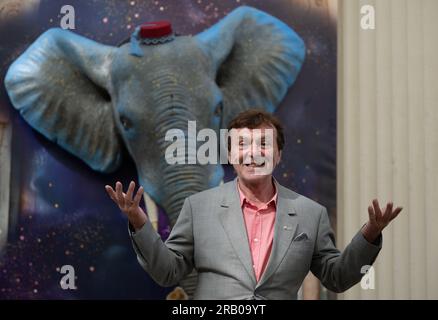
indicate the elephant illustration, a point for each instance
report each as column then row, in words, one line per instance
column 92, row 99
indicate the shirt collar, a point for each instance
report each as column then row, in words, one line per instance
column 244, row 199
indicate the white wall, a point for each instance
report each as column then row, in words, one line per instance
column 388, row 140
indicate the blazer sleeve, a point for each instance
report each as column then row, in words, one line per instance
column 170, row 261
column 340, row 271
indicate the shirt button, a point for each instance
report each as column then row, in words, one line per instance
column 256, row 240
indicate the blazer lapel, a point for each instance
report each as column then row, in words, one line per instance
column 234, row 225
column 284, row 229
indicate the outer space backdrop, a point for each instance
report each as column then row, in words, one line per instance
column 59, row 211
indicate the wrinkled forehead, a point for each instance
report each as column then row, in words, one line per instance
column 264, row 130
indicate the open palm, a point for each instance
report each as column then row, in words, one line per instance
column 130, row 206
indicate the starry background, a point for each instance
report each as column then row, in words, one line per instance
column 59, row 211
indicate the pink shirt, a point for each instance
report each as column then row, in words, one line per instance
column 259, row 223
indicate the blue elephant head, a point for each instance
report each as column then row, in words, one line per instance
column 93, row 99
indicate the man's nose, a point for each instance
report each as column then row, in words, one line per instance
column 246, row 155
column 258, row 154
column 256, row 149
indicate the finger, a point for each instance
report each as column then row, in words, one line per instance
column 138, row 195
column 111, row 193
column 119, row 194
column 396, row 212
column 388, row 211
column 130, row 191
column 371, row 214
column 128, row 202
column 377, row 210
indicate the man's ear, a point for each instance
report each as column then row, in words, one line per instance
column 229, row 157
column 230, row 141
column 279, row 157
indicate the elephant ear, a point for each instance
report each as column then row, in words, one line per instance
column 257, row 58
column 60, row 86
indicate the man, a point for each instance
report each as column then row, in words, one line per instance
column 252, row 238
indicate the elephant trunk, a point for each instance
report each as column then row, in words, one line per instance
column 179, row 182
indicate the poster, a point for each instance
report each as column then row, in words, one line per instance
column 58, row 212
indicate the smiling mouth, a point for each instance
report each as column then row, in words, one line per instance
column 254, row 165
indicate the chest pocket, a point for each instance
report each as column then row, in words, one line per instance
column 299, row 254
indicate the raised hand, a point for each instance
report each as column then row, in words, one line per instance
column 379, row 218
column 129, row 206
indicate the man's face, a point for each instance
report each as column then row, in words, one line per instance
column 254, row 152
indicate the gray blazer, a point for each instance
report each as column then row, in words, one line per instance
column 210, row 235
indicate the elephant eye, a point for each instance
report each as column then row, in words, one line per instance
column 126, row 123
column 219, row 109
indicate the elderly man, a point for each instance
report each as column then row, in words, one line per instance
column 252, row 238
